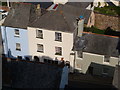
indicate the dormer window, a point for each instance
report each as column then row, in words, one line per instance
column 39, row 34
column 17, row 33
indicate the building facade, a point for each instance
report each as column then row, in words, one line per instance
column 96, row 54
column 49, row 43
column 15, row 41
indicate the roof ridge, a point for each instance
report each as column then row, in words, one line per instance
column 65, row 19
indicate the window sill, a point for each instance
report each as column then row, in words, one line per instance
column 79, row 58
column 17, row 36
column 39, row 37
column 58, row 40
column 58, row 54
column 106, row 63
column 40, row 51
column 18, row 49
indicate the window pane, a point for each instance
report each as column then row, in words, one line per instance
column 18, row 47
column 58, row 51
column 39, row 34
column 39, row 47
column 16, row 32
column 58, row 36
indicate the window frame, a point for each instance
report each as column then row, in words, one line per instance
column 17, row 35
column 18, row 48
column 42, row 50
column 58, row 51
column 58, row 36
column 41, row 34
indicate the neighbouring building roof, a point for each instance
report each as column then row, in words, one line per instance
column 63, row 19
column 97, row 44
column 75, row 12
column 79, row 4
column 21, row 14
column 18, row 16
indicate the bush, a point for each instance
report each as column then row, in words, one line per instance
column 109, row 10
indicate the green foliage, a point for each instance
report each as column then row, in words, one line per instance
column 4, row 3
column 94, row 30
column 107, row 31
column 109, row 10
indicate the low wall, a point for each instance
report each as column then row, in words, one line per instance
column 103, row 21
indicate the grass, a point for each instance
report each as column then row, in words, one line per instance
column 109, row 10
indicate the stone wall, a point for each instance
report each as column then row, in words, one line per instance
column 103, row 21
column 29, row 74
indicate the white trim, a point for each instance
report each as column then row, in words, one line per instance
column 113, row 57
column 92, row 54
column 49, row 30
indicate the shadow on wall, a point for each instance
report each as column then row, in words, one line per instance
column 96, row 69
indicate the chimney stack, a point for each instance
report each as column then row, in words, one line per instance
column 38, row 9
column 80, row 23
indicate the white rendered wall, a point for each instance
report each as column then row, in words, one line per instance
column 88, row 58
column 49, row 44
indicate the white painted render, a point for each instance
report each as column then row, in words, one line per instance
column 49, row 44
column 10, row 40
column 60, row 1
column 88, row 58
column 116, row 2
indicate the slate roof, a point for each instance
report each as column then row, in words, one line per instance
column 79, row 4
column 75, row 12
column 21, row 14
column 97, row 44
column 63, row 19
column 44, row 5
column 18, row 16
